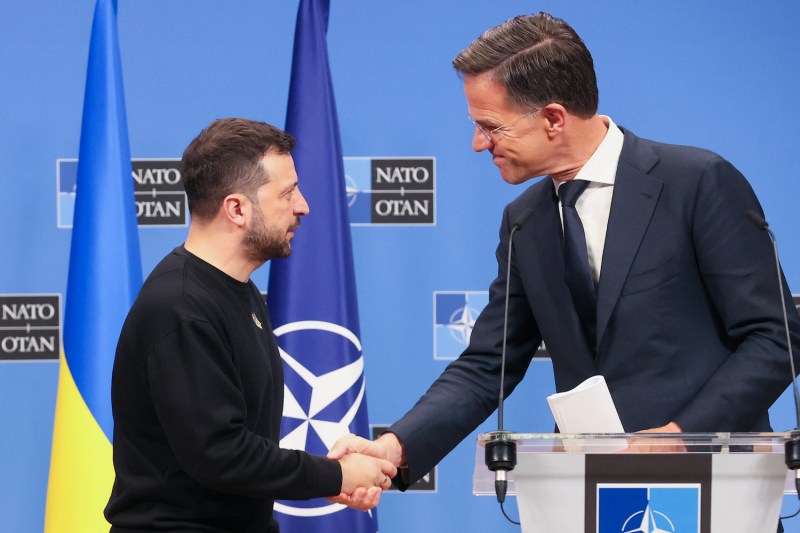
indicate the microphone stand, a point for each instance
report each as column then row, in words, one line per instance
column 501, row 452
column 792, row 446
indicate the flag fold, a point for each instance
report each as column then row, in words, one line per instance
column 312, row 294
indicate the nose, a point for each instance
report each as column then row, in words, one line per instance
column 301, row 208
column 480, row 142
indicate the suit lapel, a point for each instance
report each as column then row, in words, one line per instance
column 635, row 197
column 547, row 235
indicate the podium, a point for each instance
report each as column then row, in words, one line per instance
column 644, row 483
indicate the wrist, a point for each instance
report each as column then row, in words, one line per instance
column 395, row 451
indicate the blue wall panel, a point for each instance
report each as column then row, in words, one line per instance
column 721, row 75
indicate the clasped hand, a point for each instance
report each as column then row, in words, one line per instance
column 366, row 471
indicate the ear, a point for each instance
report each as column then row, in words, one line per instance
column 235, row 208
column 555, row 118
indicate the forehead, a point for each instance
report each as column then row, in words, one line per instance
column 487, row 98
column 279, row 168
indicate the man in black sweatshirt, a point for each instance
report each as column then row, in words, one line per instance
column 197, row 387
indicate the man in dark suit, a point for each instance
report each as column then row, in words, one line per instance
column 653, row 277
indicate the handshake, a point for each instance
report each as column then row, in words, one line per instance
column 367, row 468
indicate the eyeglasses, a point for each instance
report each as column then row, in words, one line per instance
column 499, row 130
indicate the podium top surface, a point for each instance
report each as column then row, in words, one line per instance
column 571, row 449
column 641, row 442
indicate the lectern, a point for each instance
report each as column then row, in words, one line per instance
column 644, row 483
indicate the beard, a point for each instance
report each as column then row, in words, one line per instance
column 262, row 242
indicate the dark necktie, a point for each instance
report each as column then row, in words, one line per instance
column 576, row 259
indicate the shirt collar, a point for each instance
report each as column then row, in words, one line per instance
column 602, row 166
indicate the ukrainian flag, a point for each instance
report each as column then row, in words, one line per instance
column 104, row 277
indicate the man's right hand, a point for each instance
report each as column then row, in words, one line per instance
column 387, row 447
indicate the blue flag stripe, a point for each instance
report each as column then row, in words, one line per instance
column 104, row 265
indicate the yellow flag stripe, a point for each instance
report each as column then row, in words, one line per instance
column 81, row 465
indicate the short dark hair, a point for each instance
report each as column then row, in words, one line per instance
column 226, row 158
column 539, row 59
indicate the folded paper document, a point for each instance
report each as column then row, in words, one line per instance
column 588, row 408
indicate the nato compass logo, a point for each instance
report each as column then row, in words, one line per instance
column 391, row 191
column 160, row 198
column 321, row 401
column 454, row 316
column 796, row 298
column 649, row 508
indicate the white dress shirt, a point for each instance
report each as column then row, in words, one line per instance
column 594, row 205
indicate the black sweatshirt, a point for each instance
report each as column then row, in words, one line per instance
column 197, row 396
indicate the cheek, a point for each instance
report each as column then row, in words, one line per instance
column 528, row 154
column 515, row 157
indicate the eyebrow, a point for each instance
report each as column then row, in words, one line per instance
column 289, row 188
column 486, row 125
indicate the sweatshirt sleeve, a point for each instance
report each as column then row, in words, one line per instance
column 194, row 385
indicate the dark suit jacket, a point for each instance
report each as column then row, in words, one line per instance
column 689, row 321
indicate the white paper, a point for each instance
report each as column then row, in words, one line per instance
column 588, row 408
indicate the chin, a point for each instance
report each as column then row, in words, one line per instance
column 513, row 179
column 516, row 174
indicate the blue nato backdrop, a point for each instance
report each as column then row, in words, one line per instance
column 719, row 75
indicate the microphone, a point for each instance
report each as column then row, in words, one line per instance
column 501, row 452
column 792, row 446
